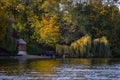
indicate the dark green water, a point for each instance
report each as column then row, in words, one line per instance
column 68, row 69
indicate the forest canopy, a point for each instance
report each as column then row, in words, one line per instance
column 45, row 24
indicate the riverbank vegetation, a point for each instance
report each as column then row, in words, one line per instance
column 72, row 27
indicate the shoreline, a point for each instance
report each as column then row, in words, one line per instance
column 41, row 57
column 26, row 57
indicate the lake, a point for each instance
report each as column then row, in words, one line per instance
column 60, row 69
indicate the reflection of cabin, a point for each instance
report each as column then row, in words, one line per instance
column 21, row 47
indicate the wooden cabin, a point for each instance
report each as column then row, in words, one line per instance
column 21, row 47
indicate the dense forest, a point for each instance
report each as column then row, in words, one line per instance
column 76, row 28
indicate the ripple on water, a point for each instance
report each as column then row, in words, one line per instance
column 62, row 72
column 94, row 73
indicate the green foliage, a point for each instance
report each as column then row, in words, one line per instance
column 19, row 28
column 9, row 44
column 116, row 52
column 34, row 49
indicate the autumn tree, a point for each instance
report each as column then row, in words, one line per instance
column 48, row 30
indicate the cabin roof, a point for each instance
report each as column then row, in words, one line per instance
column 21, row 41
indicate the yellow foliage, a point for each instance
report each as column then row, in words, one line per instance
column 20, row 7
column 44, row 66
column 4, row 4
column 59, row 49
column 48, row 30
column 96, row 41
column 103, row 11
column 101, row 40
column 77, row 48
column 101, row 47
column 104, row 40
column 67, row 17
column 82, row 48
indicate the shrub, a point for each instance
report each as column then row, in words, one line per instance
column 34, row 49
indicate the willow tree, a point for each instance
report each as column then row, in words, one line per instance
column 79, row 48
column 101, row 47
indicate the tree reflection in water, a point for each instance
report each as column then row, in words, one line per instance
column 49, row 69
column 43, row 66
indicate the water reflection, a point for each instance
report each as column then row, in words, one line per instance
column 100, row 61
column 60, row 69
column 76, row 61
column 8, row 67
column 92, row 61
column 43, row 66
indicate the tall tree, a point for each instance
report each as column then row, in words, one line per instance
column 3, row 21
column 48, row 30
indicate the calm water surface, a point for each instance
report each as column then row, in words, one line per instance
column 67, row 69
